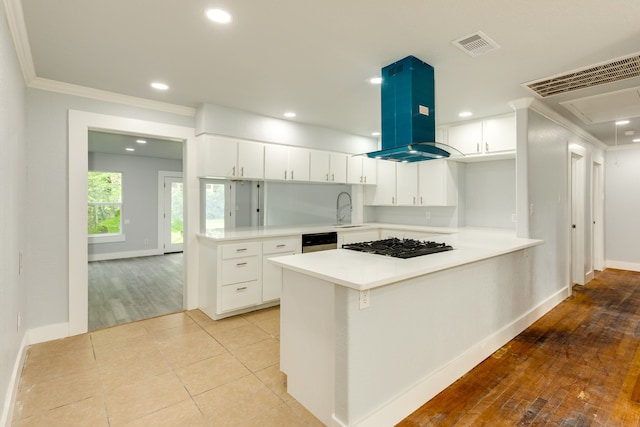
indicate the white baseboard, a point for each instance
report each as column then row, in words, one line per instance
column 622, row 265
column 120, row 255
column 48, row 333
column 428, row 387
column 14, row 382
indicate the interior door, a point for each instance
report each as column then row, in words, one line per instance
column 173, row 225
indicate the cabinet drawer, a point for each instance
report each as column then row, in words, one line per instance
column 281, row 245
column 237, row 250
column 239, row 295
column 239, row 270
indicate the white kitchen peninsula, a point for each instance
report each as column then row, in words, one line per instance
column 366, row 339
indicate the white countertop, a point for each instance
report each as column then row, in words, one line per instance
column 263, row 232
column 362, row 271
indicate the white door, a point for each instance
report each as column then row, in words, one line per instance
column 577, row 219
column 597, row 215
column 173, row 224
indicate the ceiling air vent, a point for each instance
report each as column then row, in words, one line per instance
column 611, row 71
column 476, row 44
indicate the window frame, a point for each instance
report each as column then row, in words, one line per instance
column 108, row 237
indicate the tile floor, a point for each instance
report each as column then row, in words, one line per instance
column 175, row 370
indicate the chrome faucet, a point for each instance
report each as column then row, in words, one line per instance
column 340, row 208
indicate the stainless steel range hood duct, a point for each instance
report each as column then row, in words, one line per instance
column 408, row 113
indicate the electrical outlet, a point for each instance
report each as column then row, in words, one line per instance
column 20, row 263
column 19, row 322
column 514, row 218
column 365, row 299
column 427, row 215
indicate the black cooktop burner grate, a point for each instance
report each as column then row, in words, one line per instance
column 399, row 248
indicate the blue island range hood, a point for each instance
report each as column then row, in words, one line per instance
column 408, row 113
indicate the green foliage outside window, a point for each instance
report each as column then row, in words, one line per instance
column 104, row 202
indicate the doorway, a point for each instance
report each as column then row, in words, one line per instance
column 170, row 212
column 80, row 123
column 598, row 215
column 577, row 213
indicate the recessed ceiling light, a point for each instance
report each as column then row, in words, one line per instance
column 629, row 132
column 141, row 141
column 465, row 114
column 159, row 86
column 636, row 140
column 130, row 149
column 219, row 16
column 622, row 122
column 375, row 133
column 375, row 80
column 290, row 114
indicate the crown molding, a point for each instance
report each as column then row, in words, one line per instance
column 18, row 29
column 103, row 95
column 541, row 108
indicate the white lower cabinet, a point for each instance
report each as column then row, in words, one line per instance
column 237, row 277
column 272, row 274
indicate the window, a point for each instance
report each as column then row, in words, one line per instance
column 105, row 203
column 214, row 212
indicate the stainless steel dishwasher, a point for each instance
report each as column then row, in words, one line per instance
column 315, row 242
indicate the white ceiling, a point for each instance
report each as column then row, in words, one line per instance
column 315, row 57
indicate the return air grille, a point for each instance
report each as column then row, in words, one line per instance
column 613, row 71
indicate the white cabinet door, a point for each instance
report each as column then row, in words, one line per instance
column 218, row 156
column 319, row 166
column 250, row 160
column 354, row 170
column 298, row 164
column 437, row 183
column 369, row 170
column 276, row 163
column 407, row 184
column 466, row 138
column 385, row 191
column 499, row 134
column 338, row 168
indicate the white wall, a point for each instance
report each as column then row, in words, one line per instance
column 622, row 205
column 219, row 120
column 139, row 199
column 48, row 236
column 13, row 189
column 490, row 194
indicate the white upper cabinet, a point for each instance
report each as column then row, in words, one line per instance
column 494, row 135
column 407, row 184
column 286, row 163
column 466, row 138
column 362, row 170
column 328, row 167
column 384, row 193
column 499, row 134
column 437, row 183
column 229, row 158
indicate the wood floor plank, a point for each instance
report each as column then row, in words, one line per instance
column 126, row 290
column 579, row 365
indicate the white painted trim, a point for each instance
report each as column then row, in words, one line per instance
column 80, row 123
column 103, row 95
column 622, row 265
column 109, row 238
column 18, row 28
column 121, row 255
column 14, row 382
column 555, row 117
column 428, row 387
column 161, row 177
column 49, row 333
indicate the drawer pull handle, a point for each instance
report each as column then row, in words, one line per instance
column 244, row 288
column 282, row 245
column 241, row 250
column 241, row 264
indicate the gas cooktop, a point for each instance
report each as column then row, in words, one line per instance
column 399, row 248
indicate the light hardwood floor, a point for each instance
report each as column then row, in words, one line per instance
column 130, row 289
